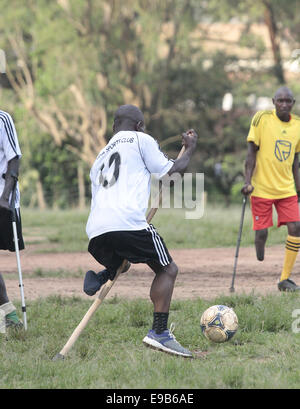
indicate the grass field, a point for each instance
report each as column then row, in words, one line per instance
column 264, row 353
column 109, row 354
column 64, row 231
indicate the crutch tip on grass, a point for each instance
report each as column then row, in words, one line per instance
column 58, row 357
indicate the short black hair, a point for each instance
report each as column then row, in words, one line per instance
column 129, row 112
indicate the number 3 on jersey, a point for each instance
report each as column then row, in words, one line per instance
column 109, row 172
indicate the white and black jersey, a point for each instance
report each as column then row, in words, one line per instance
column 121, row 181
column 9, row 148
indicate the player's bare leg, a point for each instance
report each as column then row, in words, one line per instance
column 160, row 337
column 162, row 286
column 260, row 242
column 293, row 229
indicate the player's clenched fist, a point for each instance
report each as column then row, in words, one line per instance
column 189, row 138
column 247, row 189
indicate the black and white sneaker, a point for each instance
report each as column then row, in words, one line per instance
column 288, row 285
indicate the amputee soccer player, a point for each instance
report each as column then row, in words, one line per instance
column 117, row 227
column 10, row 155
column 272, row 178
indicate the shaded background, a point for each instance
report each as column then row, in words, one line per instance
column 208, row 64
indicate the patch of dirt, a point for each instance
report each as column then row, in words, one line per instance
column 204, row 273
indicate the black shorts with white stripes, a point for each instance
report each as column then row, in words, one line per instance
column 6, row 230
column 137, row 246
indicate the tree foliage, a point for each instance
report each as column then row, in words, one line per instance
column 70, row 64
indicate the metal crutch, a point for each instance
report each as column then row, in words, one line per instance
column 14, row 226
column 238, row 243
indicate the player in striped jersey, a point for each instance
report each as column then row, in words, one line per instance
column 10, row 155
column 272, row 178
column 117, row 226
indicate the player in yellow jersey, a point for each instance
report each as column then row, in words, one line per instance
column 272, row 178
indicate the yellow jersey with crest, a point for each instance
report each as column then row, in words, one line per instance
column 278, row 142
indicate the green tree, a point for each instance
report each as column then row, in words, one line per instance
column 72, row 63
column 281, row 19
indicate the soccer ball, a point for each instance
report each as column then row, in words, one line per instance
column 219, row 323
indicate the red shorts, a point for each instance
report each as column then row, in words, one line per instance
column 262, row 211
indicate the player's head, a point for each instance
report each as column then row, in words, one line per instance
column 283, row 101
column 128, row 118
